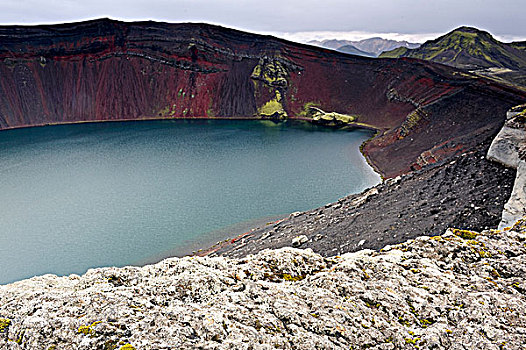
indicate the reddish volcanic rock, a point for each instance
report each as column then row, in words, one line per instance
column 110, row 70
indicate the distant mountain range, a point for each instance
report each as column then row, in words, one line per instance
column 371, row 47
column 355, row 51
column 474, row 50
column 467, row 48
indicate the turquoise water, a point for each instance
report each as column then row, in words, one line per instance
column 113, row 194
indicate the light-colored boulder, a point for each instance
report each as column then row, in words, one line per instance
column 515, row 208
column 505, row 147
column 329, row 118
column 509, row 149
column 299, row 240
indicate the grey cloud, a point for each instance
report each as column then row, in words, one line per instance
column 402, row 16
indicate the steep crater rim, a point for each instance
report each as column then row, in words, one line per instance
column 111, row 70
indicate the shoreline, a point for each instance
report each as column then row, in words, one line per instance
column 351, row 126
column 395, row 210
column 229, row 241
column 235, row 238
column 214, row 238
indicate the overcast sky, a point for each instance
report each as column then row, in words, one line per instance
column 294, row 19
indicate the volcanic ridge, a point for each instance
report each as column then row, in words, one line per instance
column 104, row 70
column 450, row 155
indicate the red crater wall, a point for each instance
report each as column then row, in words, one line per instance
column 109, row 70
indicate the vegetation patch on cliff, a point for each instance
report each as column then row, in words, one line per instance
column 318, row 116
column 271, row 72
column 273, row 109
column 412, row 121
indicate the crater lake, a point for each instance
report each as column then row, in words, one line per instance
column 128, row 193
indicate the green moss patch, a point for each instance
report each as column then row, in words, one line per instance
column 4, row 324
column 271, row 72
column 88, row 329
column 273, row 109
column 465, row 234
column 319, row 116
column 291, row 278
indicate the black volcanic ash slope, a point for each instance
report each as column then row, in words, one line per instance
column 465, row 192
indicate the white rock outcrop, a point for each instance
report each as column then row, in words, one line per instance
column 461, row 290
column 516, row 205
column 505, row 147
column 509, row 148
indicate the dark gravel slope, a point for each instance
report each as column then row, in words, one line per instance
column 467, row 192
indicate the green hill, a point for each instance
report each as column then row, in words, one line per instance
column 521, row 45
column 469, row 48
column 474, row 50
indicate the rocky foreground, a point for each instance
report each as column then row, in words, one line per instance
column 461, row 290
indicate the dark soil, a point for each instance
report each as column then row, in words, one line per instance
column 467, row 192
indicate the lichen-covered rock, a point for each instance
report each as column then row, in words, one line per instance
column 461, row 290
column 271, row 71
column 319, row 116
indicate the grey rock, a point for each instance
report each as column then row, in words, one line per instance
column 508, row 148
column 515, row 208
column 505, row 147
column 299, row 240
